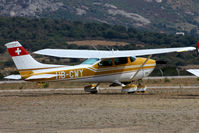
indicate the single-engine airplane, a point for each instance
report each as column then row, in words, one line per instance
column 115, row 67
column 195, row 71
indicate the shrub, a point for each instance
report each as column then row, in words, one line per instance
column 166, row 80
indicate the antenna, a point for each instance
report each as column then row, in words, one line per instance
column 94, row 47
column 107, row 47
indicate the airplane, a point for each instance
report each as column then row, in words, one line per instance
column 195, row 71
column 120, row 68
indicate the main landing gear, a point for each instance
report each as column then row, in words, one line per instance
column 132, row 88
column 126, row 87
column 93, row 88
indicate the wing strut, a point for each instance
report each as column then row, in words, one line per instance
column 140, row 67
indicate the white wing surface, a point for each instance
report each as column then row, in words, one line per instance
column 13, row 77
column 194, row 71
column 70, row 53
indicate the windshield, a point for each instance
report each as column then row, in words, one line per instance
column 90, row 61
column 132, row 58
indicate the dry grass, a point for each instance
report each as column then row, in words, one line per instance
column 170, row 82
column 5, row 57
column 185, row 26
column 98, row 42
column 190, row 67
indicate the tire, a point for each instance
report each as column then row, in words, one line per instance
column 94, row 92
column 131, row 92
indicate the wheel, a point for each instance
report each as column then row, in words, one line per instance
column 94, row 92
column 143, row 91
column 131, row 92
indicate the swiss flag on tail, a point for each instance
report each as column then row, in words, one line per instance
column 198, row 46
column 16, row 49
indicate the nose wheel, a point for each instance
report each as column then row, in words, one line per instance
column 141, row 88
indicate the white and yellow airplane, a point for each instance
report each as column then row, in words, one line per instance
column 114, row 67
column 195, row 71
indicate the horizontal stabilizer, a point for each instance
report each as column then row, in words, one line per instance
column 16, row 77
column 194, row 71
column 70, row 53
column 42, row 76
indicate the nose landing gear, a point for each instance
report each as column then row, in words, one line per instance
column 141, row 88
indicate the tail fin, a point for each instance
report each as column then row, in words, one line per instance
column 198, row 46
column 22, row 59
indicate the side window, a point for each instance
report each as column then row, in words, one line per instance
column 122, row 60
column 106, row 63
column 132, row 59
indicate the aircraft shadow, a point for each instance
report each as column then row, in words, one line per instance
column 69, row 94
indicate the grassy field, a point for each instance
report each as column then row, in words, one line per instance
column 98, row 42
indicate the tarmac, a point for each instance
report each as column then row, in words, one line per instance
column 162, row 109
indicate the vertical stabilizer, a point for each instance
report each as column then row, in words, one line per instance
column 22, row 59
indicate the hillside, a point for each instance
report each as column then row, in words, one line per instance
column 156, row 15
column 41, row 33
column 35, row 34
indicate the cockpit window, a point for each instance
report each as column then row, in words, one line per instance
column 132, row 59
column 121, row 60
column 107, row 62
column 90, row 61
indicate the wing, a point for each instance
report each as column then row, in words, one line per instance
column 70, row 53
column 194, row 71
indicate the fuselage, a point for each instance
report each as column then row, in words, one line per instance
column 106, row 70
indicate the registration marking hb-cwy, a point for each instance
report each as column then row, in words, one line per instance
column 70, row 74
